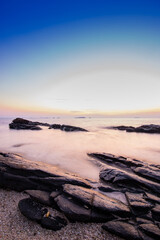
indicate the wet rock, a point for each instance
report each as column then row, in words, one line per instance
column 21, row 174
column 156, row 213
column 31, row 209
column 67, row 128
column 122, row 229
column 95, row 200
column 138, row 204
column 125, row 179
column 152, row 128
column 149, row 173
column 150, row 230
column 111, row 159
column 81, row 194
column 53, row 223
column 40, row 196
column 72, row 210
column 152, row 198
column 107, row 205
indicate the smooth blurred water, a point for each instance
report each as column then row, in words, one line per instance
column 68, row 150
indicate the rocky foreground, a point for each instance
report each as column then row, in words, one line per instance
column 135, row 216
column 151, row 128
column 23, row 124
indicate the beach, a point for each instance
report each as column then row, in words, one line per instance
column 13, row 225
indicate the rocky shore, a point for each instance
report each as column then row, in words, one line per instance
column 135, row 215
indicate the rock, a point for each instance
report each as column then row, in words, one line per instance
column 111, row 159
column 152, row 174
column 150, row 230
column 81, row 194
column 152, row 198
column 125, row 179
column 40, row 196
column 67, row 128
column 72, row 210
column 15, row 182
column 53, row 223
column 21, row 174
column 31, row 209
column 122, row 229
column 23, row 124
column 156, row 213
column 95, row 200
column 138, row 204
column 152, row 128
column 107, row 205
column 36, row 212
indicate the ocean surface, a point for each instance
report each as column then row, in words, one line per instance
column 68, row 150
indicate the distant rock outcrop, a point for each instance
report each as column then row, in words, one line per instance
column 23, row 124
column 151, row 128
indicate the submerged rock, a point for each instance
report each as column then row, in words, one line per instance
column 152, row 128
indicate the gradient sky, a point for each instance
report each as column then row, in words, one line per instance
column 79, row 56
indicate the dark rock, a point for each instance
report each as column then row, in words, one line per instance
column 53, row 223
column 18, row 183
column 109, row 205
column 140, row 220
column 152, row 128
column 152, row 174
column 97, row 201
column 67, row 128
column 126, row 179
column 122, row 229
column 156, row 213
column 138, row 204
column 40, row 196
column 152, row 198
column 111, row 159
column 31, row 209
column 18, row 126
column 23, row 124
column 21, row 174
column 101, row 217
column 150, row 230
column 72, row 210
column 81, row 194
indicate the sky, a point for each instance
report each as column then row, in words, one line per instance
column 80, row 57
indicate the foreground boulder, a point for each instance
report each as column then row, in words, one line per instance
column 36, row 212
column 152, row 128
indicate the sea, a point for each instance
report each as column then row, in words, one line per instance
column 68, row 150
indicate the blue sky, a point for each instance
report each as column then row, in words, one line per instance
column 87, row 56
